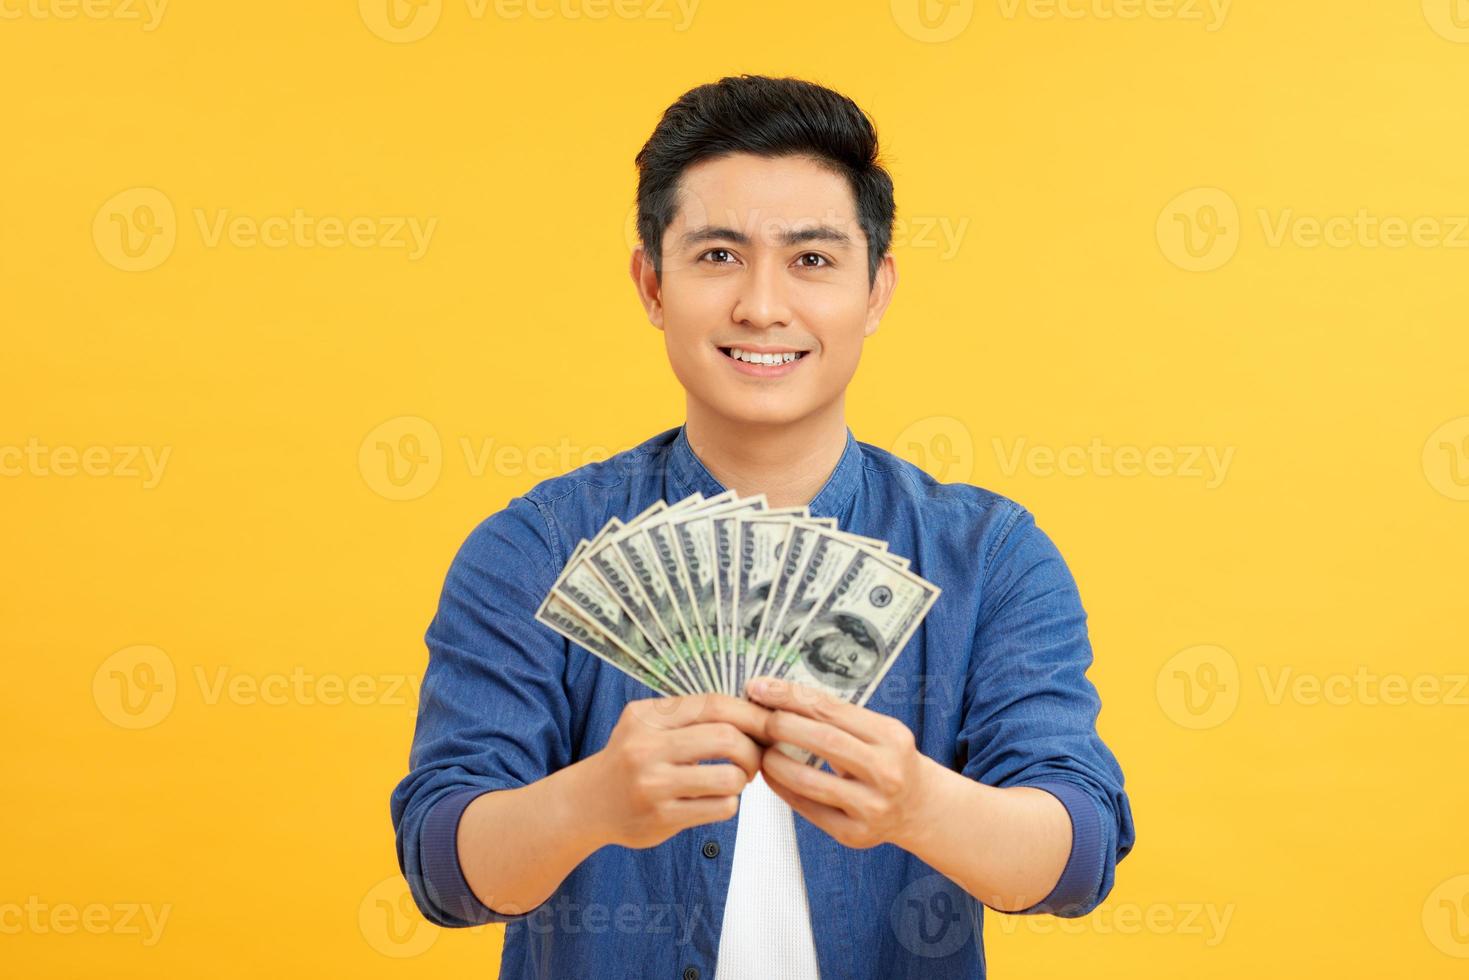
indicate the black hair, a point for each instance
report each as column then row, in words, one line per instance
column 768, row 117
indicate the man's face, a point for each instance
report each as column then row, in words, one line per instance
column 839, row 658
column 765, row 257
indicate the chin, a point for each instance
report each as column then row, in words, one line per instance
column 769, row 411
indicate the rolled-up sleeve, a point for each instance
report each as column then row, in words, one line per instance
column 1030, row 713
column 493, row 711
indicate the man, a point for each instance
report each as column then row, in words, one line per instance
column 623, row 835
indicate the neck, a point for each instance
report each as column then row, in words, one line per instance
column 789, row 462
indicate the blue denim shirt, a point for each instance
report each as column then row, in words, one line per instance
column 993, row 685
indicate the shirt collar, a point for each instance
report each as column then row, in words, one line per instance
column 830, row 500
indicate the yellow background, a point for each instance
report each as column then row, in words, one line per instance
column 270, row 557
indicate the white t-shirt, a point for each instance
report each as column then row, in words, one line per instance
column 767, row 922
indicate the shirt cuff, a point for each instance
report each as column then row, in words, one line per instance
column 443, row 878
column 1075, row 892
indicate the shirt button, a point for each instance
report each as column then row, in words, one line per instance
column 711, row 850
column 691, row 973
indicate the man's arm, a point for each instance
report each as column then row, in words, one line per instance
column 1007, row 847
column 495, row 812
column 1036, row 818
column 1030, row 711
column 516, row 846
column 493, row 712
column 1020, row 857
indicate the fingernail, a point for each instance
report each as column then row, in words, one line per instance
column 766, row 686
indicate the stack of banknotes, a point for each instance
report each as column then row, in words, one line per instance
column 703, row 594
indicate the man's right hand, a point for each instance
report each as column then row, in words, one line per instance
column 649, row 780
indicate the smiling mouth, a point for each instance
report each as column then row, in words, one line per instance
column 757, row 358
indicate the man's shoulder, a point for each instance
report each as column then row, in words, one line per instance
column 913, row 485
column 973, row 525
column 560, row 510
column 601, row 477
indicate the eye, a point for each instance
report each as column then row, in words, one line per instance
column 814, row 255
column 717, row 251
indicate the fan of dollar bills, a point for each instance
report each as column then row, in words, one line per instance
column 704, row 594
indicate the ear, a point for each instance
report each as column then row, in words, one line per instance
column 650, row 291
column 881, row 293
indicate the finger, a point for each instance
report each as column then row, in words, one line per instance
column 715, row 740
column 669, row 713
column 838, row 747
column 833, row 821
column 814, row 703
column 742, row 713
column 708, row 809
column 719, row 779
column 811, row 783
column 693, row 709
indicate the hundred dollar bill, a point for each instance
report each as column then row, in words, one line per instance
column 609, row 567
column 590, row 597
column 651, row 555
column 697, row 546
column 792, row 558
column 832, row 557
column 855, row 634
column 726, row 576
column 703, row 594
column 562, row 617
column 829, row 553
column 723, row 530
column 648, row 558
column 659, row 541
column 880, row 547
column 801, row 593
column 629, row 576
column 758, row 545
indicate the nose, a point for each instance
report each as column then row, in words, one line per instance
column 762, row 302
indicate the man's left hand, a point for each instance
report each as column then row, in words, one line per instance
column 880, row 784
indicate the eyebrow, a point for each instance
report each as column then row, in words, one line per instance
column 799, row 236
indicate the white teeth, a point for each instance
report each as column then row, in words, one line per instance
column 750, row 357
